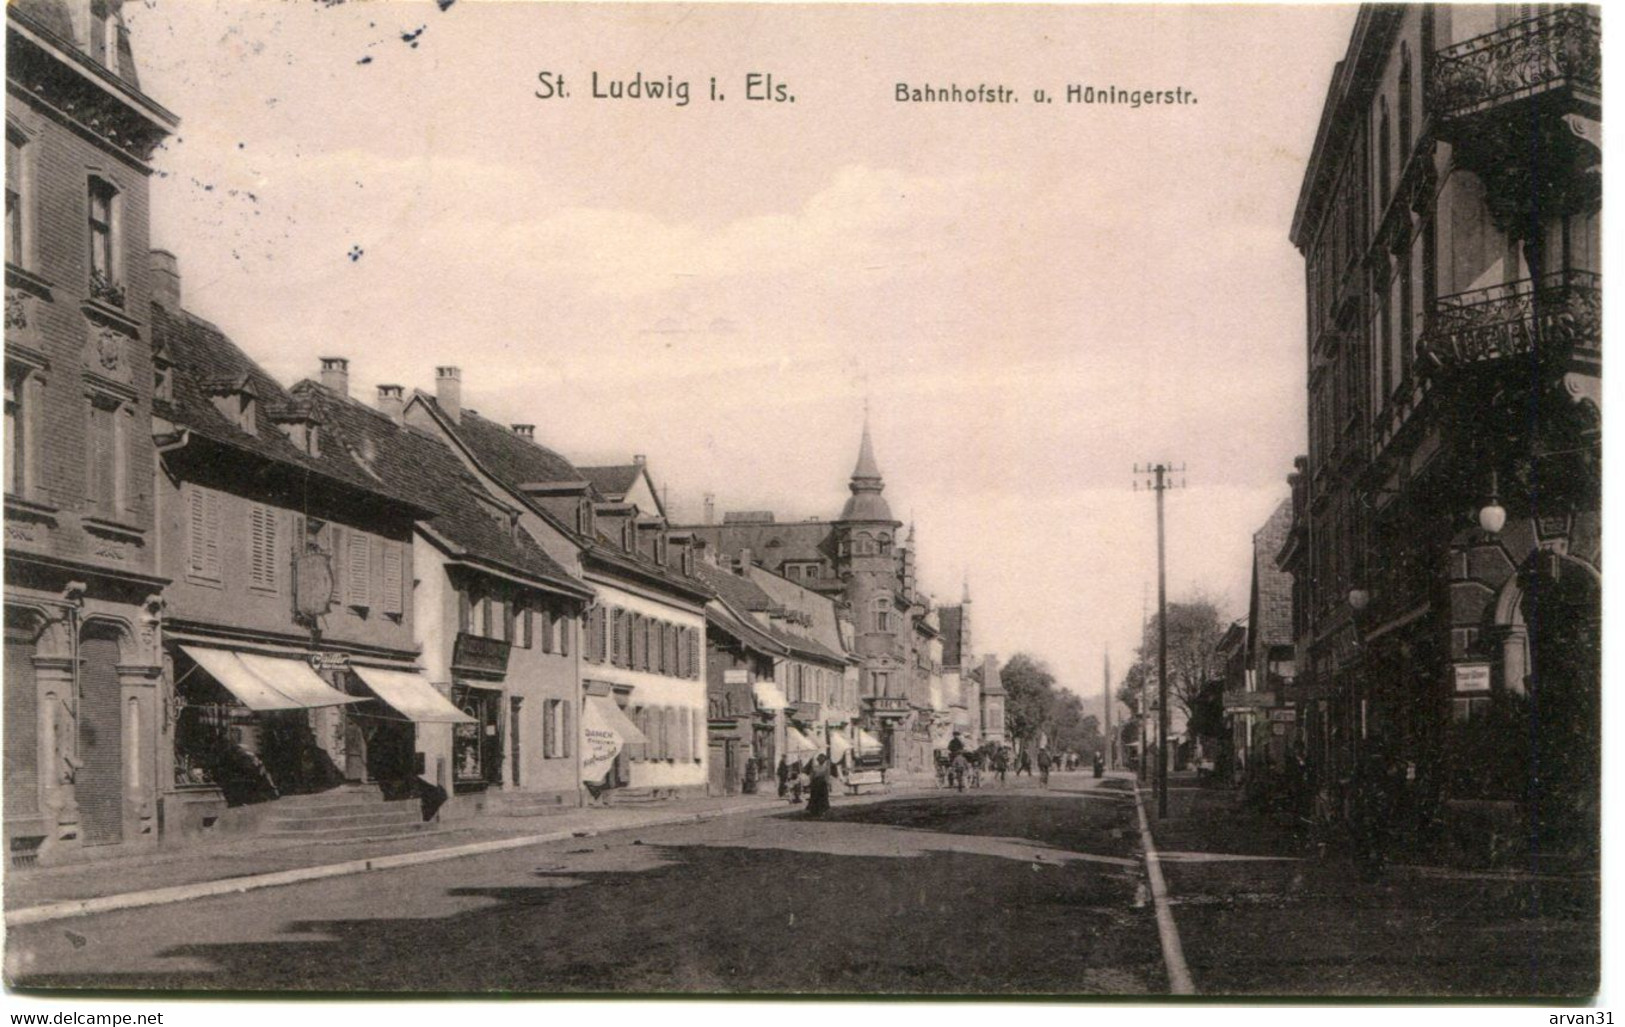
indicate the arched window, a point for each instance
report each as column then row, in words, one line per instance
column 1404, row 103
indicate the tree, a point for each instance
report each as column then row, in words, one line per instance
column 1194, row 629
column 1029, row 686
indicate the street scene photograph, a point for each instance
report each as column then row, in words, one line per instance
column 1014, row 502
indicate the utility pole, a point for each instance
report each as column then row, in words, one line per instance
column 1106, row 699
column 1160, row 482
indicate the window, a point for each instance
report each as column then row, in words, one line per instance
column 103, row 211
column 1470, row 709
column 393, row 601
column 16, row 202
column 556, row 730
column 1384, row 161
column 358, row 571
column 19, row 430
column 1404, row 103
column 882, row 613
column 263, row 562
column 546, row 617
column 106, row 463
column 203, row 535
column 566, row 625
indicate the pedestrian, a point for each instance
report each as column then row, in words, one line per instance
column 1001, row 763
column 961, row 767
column 1024, row 763
column 1044, row 762
column 784, row 777
column 818, row 779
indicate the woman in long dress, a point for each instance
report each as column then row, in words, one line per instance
column 818, row 774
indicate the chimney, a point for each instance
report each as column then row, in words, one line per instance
column 710, row 508
column 392, row 401
column 525, row 431
column 746, row 559
column 336, row 375
column 166, row 280
column 448, row 391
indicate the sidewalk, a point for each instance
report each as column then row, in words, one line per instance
column 1259, row 915
column 202, row 865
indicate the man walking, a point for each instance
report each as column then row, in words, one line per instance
column 1044, row 762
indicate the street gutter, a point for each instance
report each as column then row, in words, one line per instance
column 1173, row 953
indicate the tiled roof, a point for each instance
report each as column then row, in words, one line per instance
column 515, row 462
column 613, row 482
column 1271, row 614
column 769, row 543
column 746, row 598
column 203, row 357
column 421, row 464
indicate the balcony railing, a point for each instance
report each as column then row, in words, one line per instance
column 1551, row 318
column 1558, row 50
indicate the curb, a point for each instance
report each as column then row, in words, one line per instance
column 252, row 882
column 1173, row 953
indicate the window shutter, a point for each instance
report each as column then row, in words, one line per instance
column 547, row 629
column 693, row 654
column 211, row 535
column 566, row 626
column 394, row 599
column 567, row 730
column 615, row 635
column 195, row 531
column 550, row 730
column 262, row 562
column 358, row 578
column 640, row 643
column 682, row 652
column 683, row 737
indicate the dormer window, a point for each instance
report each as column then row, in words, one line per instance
column 237, row 402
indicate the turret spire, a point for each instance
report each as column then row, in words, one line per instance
column 866, row 503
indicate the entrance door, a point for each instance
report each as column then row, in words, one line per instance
column 22, row 774
column 1563, row 614
column 100, row 780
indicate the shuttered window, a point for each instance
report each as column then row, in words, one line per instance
column 550, row 729
column 546, row 616
column 566, row 626
column 393, row 601
column 693, row 654
column 263, row 561
column 615, row 636
column 358, row 570
column 203, row 535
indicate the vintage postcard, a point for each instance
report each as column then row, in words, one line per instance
column 802, row 499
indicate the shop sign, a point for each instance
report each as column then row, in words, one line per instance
column 479, row 655
column 330, row 661
column 1283, row 716
column 736, row 677
column 312, row 584
column 888, row 705
column 1472, row 677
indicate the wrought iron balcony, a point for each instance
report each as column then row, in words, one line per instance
column 1549, row 319
column 1560, row 50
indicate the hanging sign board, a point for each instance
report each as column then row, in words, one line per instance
column 600, row 744
column 1472, row 677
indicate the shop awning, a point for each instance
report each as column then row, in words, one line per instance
column 267, row 682
column 868, row 742
column 604, row 714
column 768, row 696
column 838, row 747
column 796, row 743
column 412, row 696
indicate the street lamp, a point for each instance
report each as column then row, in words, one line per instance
column 1359, row 599
column 1492, row 516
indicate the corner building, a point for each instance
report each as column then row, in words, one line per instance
column 1446, row 540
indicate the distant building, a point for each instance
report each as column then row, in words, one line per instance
column 859, row 559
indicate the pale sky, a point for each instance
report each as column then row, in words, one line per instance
column 1034, row 297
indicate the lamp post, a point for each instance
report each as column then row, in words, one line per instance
column 1359, row 599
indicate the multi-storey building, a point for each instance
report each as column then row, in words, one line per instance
column 492, row 614
column 642, row 641
column 1446, row 539
column 859, row 559
column 83, row 585
column 290, row 596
